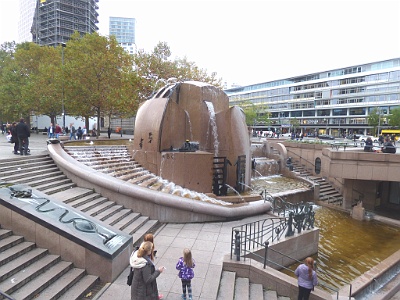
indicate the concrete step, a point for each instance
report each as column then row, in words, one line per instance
column 80, row 289
column 62, row 284
column 135, row 225
column 33, row 288
column 242, row 288
column 226, row 291
column 56, row 189
column 270, row 295
column 19, row 263
column 18, row 160
column 256, row 291
column 10, row 241
column 24, row 276
column 115, row 218
column 27, row 175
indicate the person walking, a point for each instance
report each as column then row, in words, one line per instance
column 185, row 266
column 109, row 132
column 14, row 137
column 51, row 131
column 23, row 134
column 72, row 132
column 58, row 131
column 144, row 283
column 307, row 278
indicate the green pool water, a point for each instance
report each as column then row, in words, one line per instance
column 348, row 248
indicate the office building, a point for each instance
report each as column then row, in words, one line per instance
column 124, row 31
column 55, row 21
column 26, row 13
column 336, row 102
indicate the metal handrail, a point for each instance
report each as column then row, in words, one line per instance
column 250, row 237
column 6, row 296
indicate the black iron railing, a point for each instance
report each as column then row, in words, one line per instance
column 6, row 296
column 250, row 238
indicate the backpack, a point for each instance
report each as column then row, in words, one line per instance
column 73, row 129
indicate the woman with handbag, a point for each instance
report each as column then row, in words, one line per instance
column 144, row 284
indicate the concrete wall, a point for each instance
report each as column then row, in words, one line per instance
column 270, row 278
column 58, row 239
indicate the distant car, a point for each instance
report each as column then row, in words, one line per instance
column 326, row 137
column 363, row 138
column 286, row 135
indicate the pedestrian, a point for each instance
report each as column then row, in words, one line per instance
column 149, row 237
column 14, row 137
column 51, row 131
column 23, row 134
column 144, row 283
column 72, row 132
column 185, row 266
column 58, row 131
column 109, row 132
column 79, row 133
column 307, row 278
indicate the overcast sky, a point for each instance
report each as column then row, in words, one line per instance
column 248, row 42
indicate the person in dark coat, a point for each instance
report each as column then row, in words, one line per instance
column 23, row 134
column 14, row 137
column 144, row 284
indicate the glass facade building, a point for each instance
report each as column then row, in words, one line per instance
column 336, row 102
column 124, row 31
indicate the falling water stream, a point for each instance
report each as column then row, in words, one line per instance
column 213, row 124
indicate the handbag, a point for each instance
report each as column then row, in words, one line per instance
column 129, row 279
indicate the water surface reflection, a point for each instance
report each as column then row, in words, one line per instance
column 348, row 248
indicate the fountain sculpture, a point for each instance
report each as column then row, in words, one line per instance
column 188, row 134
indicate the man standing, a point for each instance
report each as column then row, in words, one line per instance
column 23, row 134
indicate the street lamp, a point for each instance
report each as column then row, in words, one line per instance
column 63, row 45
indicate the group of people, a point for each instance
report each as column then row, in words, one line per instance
column 387, row 145
column 19, row 134
column 144, row 283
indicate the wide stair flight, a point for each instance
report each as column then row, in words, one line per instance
column 41, row 173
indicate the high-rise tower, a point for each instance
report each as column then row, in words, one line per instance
column 124, row 31
column 55, row 21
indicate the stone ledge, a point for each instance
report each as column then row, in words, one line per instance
column 65, row 231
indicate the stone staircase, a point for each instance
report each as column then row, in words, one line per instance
column 41, row 173
column 327, row 193
column 28, row 272
column 239, row 288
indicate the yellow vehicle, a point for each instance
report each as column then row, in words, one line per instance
column 390, row 132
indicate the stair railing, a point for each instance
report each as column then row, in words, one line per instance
column 6, row 296
column 248, row 238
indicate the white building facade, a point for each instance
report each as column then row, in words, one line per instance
column 336, row 102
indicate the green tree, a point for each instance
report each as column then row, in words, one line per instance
column 98, row 77
column 255, row 114
column 394, row 118
column 155, row 68
column 294, row 123
column 375, row 118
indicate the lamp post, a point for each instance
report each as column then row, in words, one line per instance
column 121, row 127
column 63, row 45
column 379, row 112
